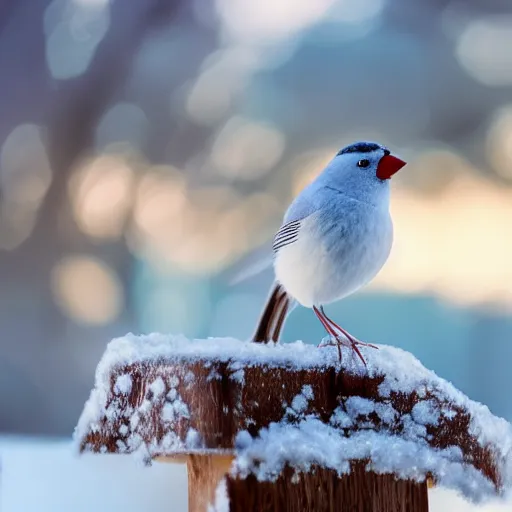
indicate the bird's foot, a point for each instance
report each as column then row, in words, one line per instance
column 339, row 340
column 363, row 343
column 340, row 336
column 333, row 341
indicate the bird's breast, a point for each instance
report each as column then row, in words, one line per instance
column 334, row 255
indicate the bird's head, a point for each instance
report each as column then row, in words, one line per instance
column 370, row 158
column 361, row 170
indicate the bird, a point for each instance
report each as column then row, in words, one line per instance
column 335, row 237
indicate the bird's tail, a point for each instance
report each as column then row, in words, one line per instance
column 273, row 315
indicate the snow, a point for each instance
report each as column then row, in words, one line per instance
column 123, row 384
column 43, row 475
column 426, row 413
column 302, row 440
column 312, row 442
column 221, row 503
column 157, row 387
column 300, row 402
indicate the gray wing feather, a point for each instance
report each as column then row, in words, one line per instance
column 287, row 234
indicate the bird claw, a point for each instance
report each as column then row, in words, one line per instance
column 336, row 333
column 341, row 341
column 364, row 344
column 332, row 341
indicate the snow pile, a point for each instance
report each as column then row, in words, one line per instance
column 396, row 440
column 311, row 442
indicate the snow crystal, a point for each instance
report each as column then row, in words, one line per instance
column 386, row 413
column 171, row 396
column 112, row 413
column 300, row 402
column 121, row 446
column 173, row 411
column 243, row 439
column 238, row 376
column 123, row 430
column 168, row 413
column 412, row 430
column 157, row 387
column 426, row 413
column 170, row 443
column 146, row 406
column 193, row 438
column 189, row 378
column 341, row 419
column 174, row 381
column 358, row 406
column 448, row 413
column 134, row 421
column 307, row 391
column 134, row 442
column 123, row 384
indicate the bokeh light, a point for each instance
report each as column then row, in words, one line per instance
column 73, row 31
column 246, row 149
column 268, row 20
column 499, row 142
column 87, row 289
column 222, row 78
column 25, row 176
column 471, row 218
column 483, row 49
column 101, row 194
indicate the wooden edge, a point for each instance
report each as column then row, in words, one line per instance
column 172, row 459
column 221, row 459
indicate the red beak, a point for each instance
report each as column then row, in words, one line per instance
column 388, row 166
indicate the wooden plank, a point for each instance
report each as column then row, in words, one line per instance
column 322, row 490
column 204, row 475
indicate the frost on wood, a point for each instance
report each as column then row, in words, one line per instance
column 293, row 407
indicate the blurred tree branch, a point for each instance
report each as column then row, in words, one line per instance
column 70, row 116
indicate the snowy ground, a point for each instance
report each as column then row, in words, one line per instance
column 40, row 475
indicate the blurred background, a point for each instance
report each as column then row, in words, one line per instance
column 148, row 151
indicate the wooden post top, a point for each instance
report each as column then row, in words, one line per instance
column 293, row 407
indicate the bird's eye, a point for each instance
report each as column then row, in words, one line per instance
column 363, row 163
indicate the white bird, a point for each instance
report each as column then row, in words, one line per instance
column 335, row 237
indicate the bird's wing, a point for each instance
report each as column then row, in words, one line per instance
column 299, row 210
column 258, row 261
column 287, row 234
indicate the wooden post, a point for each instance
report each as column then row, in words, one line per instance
column 324, row 491
column 212, row 411
column 204, row 475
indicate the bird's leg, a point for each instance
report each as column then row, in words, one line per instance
column 326, row 321
column 353, row 340
column 328, row 328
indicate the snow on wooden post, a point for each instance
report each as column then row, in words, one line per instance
column 288, row 427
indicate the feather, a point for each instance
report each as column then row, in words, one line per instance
column 287, row 234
